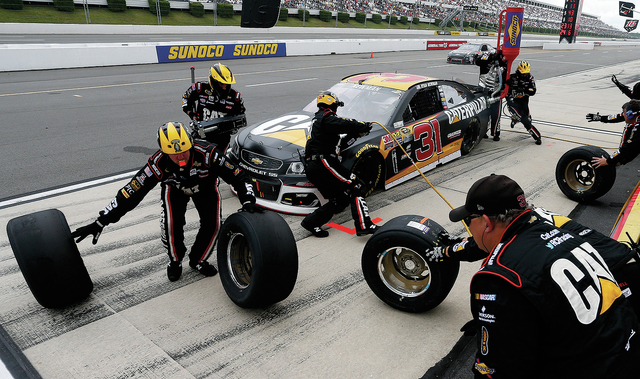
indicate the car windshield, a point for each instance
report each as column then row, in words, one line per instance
column 469, row 46
column 363, row 102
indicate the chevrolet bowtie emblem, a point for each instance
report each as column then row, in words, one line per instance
column 257, row 161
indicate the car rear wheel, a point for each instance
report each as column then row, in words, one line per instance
column 470, row 137
column 49, row 258
column 397, row 270
column 578, row 179
column 257, row 259
column 370, row 169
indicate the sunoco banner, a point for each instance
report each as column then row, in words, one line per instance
column 187, row 53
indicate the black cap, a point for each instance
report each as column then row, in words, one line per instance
column 491, row 195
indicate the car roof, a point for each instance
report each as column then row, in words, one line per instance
column 388, row 79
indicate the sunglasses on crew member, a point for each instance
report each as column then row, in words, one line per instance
column 467, row 220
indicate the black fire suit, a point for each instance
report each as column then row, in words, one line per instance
column 629, row 141
column 546, row 305
column 521, row 87
column 196, row 181
column 323, row 168
column 491, row 75
column 631, row 93
column 618, row 256
column 202, row 102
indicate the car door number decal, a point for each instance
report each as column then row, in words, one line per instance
column 428, row 136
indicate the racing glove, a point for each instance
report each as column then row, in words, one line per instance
column 95, row 229
column 614, row 79
column 251, row 207
column 594, row 117
column 368, row 126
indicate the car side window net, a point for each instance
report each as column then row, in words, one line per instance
column 423, row 104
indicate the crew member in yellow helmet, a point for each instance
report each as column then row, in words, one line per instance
column 186, row 169
column 329, row 135
column 522, row 86
column 214, row 98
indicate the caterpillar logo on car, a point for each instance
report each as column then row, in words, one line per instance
column 466, row 111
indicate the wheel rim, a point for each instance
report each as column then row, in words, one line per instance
column 580, row 175
column 239, row 260
column 469, row 138
column 404, row 271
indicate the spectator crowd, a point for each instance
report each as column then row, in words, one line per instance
column 537, row 14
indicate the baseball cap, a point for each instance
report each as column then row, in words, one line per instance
column 491, row 195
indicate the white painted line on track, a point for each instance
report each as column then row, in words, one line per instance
column 62, row 190
column 286, row 81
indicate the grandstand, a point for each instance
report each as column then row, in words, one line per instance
column 537, row 14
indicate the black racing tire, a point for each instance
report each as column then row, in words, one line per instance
column 396, row 269
column 470, row 137
column 49, row 258
column 370, row 169
column 578, row 179
column 257, row 259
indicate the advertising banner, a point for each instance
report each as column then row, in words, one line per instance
column 190, row 53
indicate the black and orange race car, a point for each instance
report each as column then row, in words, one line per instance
column 434, row 120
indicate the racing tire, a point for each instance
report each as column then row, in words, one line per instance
column 370, row 169
column 578, row 179
column 470, row 138
column 257, row 259
column 49, row 258
column 396, row 269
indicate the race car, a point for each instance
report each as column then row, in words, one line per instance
column 434, row 120
column 466, row 54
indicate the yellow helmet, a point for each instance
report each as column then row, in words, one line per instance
column 524, row 68
column 173, row 138
column 221, row 74
column 329, row 99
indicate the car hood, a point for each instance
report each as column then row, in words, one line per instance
column 281, row 137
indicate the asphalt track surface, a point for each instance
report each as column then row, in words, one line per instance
column 71, row 126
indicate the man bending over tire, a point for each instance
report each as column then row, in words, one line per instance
column 186, row 169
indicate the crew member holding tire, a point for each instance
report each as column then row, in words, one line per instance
column 521, row 87
column 544, row 295
column 492, row 68
column 187, row 169
column 629, row 142
column 323, row 168
column 213, row 99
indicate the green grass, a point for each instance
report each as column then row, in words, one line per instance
column 49, row 15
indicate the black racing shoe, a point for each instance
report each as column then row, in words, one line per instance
column 513, row 123
column 496, row 138
column 316, row 231
column 204, row 267
column 538, row 141
column 369, row 230
column 174, row 270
